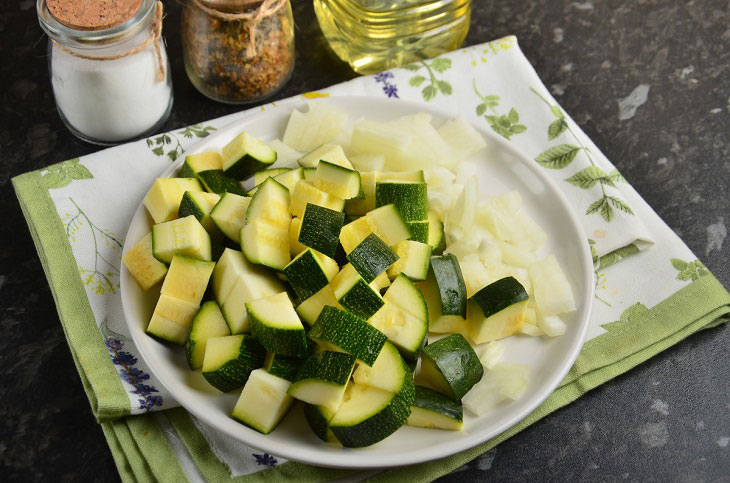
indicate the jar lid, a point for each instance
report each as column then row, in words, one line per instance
column 92, row 15
column 231, row 6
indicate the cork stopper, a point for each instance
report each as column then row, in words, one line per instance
column 93, row 15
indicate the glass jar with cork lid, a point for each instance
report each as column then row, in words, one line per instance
column 238, row 51
column 108, row 65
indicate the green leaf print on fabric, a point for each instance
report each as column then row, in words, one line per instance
column 61, row 174
column 627, row 317
column 103, row 279
column 506, row 125
column 562, row 155
column 481, row 55
column 159, row 145
column 434, row 86
column 689, row 271
column 617, row 255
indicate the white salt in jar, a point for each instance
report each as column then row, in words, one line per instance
column 108, row 65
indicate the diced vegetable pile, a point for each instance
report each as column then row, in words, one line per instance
column 371, row 283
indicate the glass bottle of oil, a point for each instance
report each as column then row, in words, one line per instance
column 375, row 35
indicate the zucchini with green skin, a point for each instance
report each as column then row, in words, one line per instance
column 389, row 372
column 414, row 259
column 163, row 199
column 260, row 176
column 322, row 379
column 402, row 328
column 264, row 401
column 266, row 244
column 187, row 278
column 402, row 176
column 270, row 203
column 309, row 272
column 295, row 248
column 369, row 415
column 229, row 215
column 372, row 257
column 406, row 294
column 289, row 178
column 450, row 366
column 418, row 230
column 318, row 418
column 184, row 236
column 208, row 322
column 500, row 310
column 171, row 319
column 355, row 294
column 337, row 180
column 282, row 366
column 216, row 181
column 321, row 228
column 195, row 163
column 433, row 410
column 450, row 283
column 387, row 222
column 308, row 173
column 276, row 325
column 200, row 204
column 361, row 205
column 436, row 235
column 305, row 192
column 411, row 199
column 310, row 309
column 439, row 323
column 348, row 332
column 142, row 264
column 353, row 233
column 244, row 155
column 331, row 153
column 229, row 360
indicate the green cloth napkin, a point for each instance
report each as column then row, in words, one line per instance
column 78, row 211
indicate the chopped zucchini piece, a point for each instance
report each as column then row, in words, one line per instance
column 295, row 248
column 411, row 199
column 321, row 229
column 171, row 319
column 402, row 176
column 331, row 153
column 229, row 215
column 436, row 235
column 500, row 312
column 216, row 181
column 353, row 233
column 361, row 205
column 309, row 272
column 348, row 332
column 276, row 325
column 354, row 293
column 184, row 236
column 381, row 282
column 389, row 372
column 413, row 260
column 439, row 323
column 372, row 257
column 200, row 204
column 450, row 366
column 433, row 410
column 309, row 173
column 260, row 176
column 245, row 155
column 266, row 244
column 142, row 264
column 305, row 192
column 270, row 203
column 322, row 379
column 418, row 230
column 195, row 163
column 406, row 294
column 310, row 309
column 318, row 418
column 163, row 199
column 337, row 180
column 264, row 401
column 403, row 329
column 388, row 224
column 282, row 366
column 187, row 279
column 208, row 322
column 229, row 360
column 450, row 283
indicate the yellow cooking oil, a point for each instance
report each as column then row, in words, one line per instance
column 375, row 35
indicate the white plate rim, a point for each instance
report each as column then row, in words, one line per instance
column 353, row 458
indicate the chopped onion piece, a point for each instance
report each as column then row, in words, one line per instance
column 552, row 325
column 531, row 330
column 437, row 177
column 368, row 162
column 319, row 125
column 517, row 256
column 553, row 294
column 510, row 202
column 463, row 139
column 504, row 380
column 463, row 212
column 492, row 353
column 285, row 154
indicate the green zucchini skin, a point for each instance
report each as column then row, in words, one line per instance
column 327, row 366
column 348, row 332
column 234, row 373
column 244, row 155
column 450, row 283
column 419, row 230
column 216, row 181
column 318, row 418
column 288, row 342
column 188, row 207
column 321, row 229
column 361, row 300
column 371, row 257
column 209, row 322
column 499, row 295
column 282, row 366
column 431, row 400
column 456, row 361
column 306, row 275
column 436, row 235
column 411, row 199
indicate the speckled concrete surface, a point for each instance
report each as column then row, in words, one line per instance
column 648, row 80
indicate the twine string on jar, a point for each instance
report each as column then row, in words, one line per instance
column 156, row 33
column 266, row 9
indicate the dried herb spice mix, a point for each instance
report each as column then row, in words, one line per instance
column 238, row 51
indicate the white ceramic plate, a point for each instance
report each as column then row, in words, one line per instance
column 501, row 168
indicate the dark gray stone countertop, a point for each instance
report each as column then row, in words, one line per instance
column 666, row 420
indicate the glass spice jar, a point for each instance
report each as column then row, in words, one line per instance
column 109, row 69
column 238, row 51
